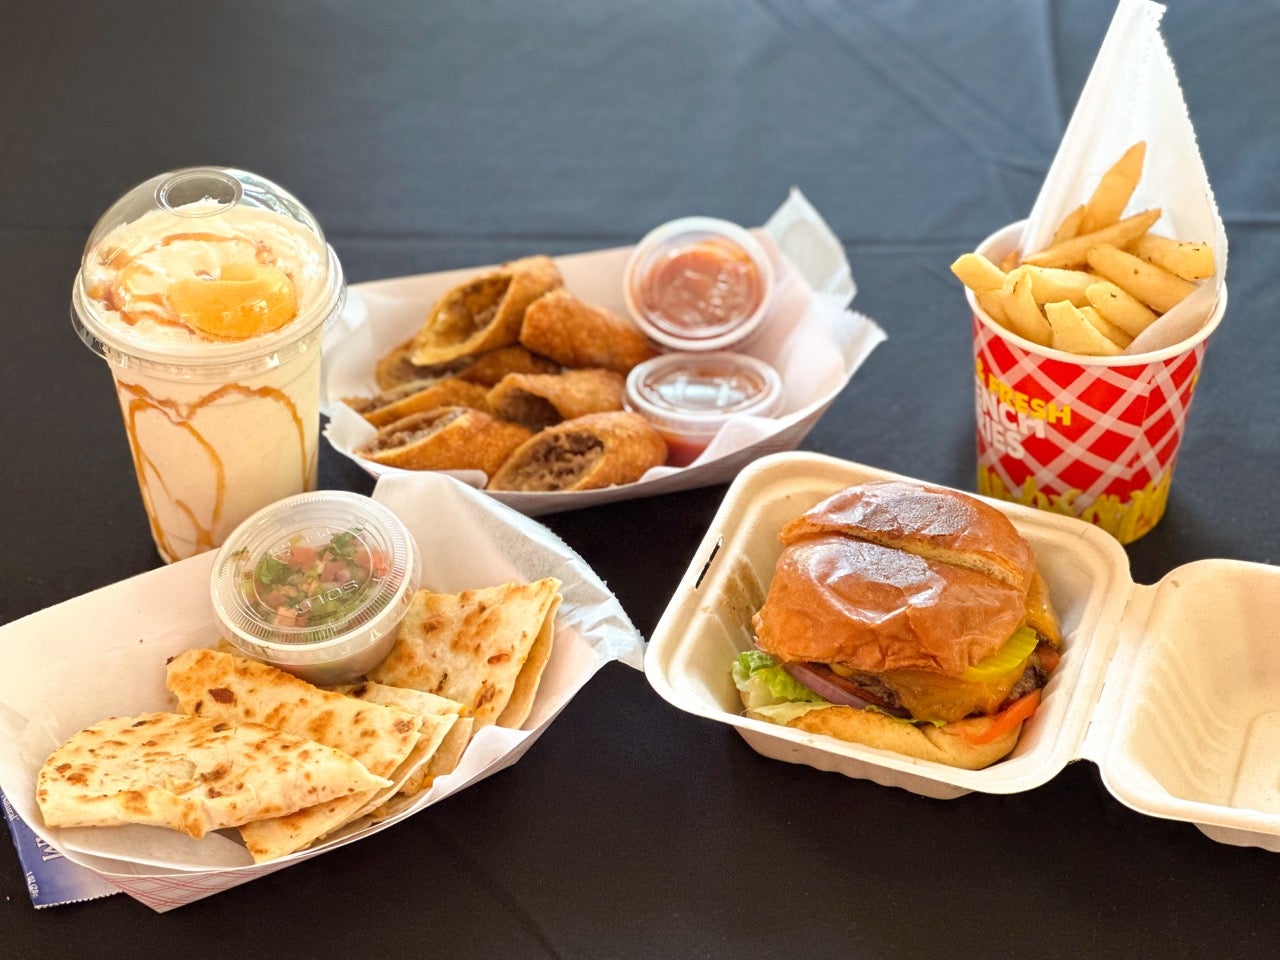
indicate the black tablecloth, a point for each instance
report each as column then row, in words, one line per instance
column 436, row 135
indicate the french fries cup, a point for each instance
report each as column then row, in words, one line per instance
column 1095, row 437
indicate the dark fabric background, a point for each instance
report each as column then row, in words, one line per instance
column 437, row 135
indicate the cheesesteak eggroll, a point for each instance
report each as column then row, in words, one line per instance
column 394, row 367
column 485, row 312
column 561, row 326
column 491, row 366
column 485, row 368
column 418, row 396
column 538, row 400
column 586, row 453
column 449, row 438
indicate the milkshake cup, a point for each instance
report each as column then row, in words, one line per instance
column 207, row 290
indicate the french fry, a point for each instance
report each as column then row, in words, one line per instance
column 1113, row 191
column 1054, row 283
column 1075, row 252
column 1190, row 261
column 1069, row 227
column 1073, row 333
column 1159, row 289
column 1102, row 279
column 1118, row 308
column 1022, row 311
column 1105, row 327
column 992, row 304
column 978, row 273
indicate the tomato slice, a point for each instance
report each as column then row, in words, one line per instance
column 1049, row 657
column 1012, row 715
column 301, row 556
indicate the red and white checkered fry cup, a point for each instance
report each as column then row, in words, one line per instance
column 1092, row 437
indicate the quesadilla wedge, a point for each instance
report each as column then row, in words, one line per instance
column 209, row 682
column 475, row 647
column 192, row 774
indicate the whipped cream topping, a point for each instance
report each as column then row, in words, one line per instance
column 128, row 274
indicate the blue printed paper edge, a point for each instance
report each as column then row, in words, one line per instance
column 51, row 878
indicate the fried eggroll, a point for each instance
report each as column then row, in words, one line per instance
column 561, row 326
column 485, row 368
column 449, row 438
column 586, row 453
column 485, row 312
column 540, row 400
column 419, row 396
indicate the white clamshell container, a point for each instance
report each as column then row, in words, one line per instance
column 1172, row 689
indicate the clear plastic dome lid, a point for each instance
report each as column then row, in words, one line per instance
column 201, row 265
column 315, row 574
column 698, row 283
column 695, row 393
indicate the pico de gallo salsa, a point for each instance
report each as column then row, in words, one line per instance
column 304, row 585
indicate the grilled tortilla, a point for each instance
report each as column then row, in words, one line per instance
column 192, row 774
column 475, row 646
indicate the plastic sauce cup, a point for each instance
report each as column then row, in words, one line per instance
column 688, row 397
column 698, row 283
column 316, row 584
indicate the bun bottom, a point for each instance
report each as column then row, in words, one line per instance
column 945, row 744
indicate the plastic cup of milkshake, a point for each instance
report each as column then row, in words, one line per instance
column 207, row 290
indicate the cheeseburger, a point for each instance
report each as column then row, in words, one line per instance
column 907, row 618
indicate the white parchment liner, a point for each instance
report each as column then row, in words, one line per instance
column 103, row 654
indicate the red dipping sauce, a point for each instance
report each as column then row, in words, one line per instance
column 698, row 284
column 688, row 397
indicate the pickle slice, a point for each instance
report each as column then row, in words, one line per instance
column 1012, row 656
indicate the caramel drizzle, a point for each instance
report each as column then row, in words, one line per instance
column 180, row 415
column 163, row 314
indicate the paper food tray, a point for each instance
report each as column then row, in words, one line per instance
column 1173, row 689
column 103, row 654
column 813, row 339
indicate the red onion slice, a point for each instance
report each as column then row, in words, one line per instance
column 826, row 683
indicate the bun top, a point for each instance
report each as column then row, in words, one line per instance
column 930, row 522
column 895, row 575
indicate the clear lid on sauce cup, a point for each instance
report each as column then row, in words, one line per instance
column 698, row 283
column 316, row 583
column 688, row 397
column 205, row 266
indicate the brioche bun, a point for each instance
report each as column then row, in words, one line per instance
column 948, row 744
column 905, row 596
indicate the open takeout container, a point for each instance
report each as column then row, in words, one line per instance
column 1172, row 689
column 810, row 337
column 103, row 654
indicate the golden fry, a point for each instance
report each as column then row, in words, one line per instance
column 1069, row 227
column 1113, row 191
column 1072, row 332
column 1054, row 283
column 992, row 304
column 1075, row 252
column 1190, row 261
column 1118, row 308
column 1105, row 327
column 1159, row 289
column 978, row 273
column 1101, row 280
column 1022, row 311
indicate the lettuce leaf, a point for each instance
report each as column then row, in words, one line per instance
column 763, row 682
